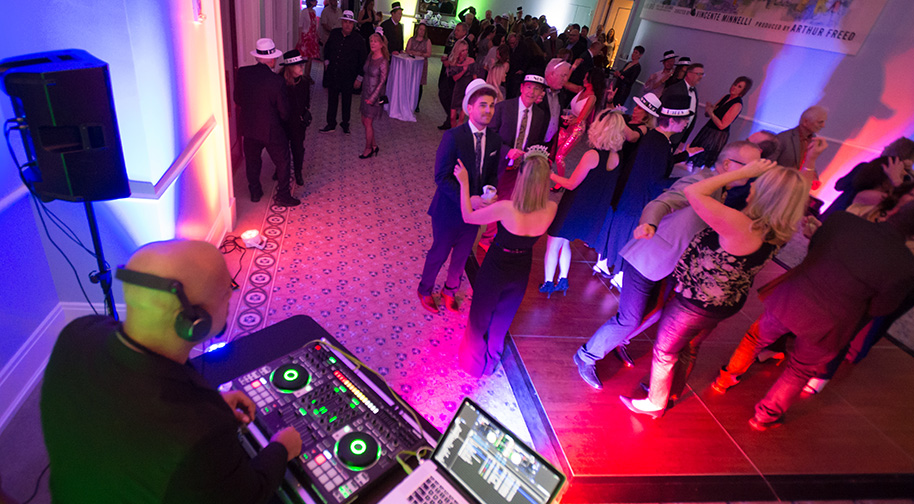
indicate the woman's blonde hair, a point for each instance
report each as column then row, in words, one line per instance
column 383, row 41
column 606, row 132
column 531, row 192
column 778, row 202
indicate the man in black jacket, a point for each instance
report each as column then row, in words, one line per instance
column 393, row 29
column 264, row 103
column 125, row 416
column 344, row 59
column 855, row 270
column 686, row 88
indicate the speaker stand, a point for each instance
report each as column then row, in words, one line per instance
column 103, row 275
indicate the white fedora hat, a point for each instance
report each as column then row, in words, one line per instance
column 265, row 48
column 472, row 87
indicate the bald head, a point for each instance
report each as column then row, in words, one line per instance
column 813, row 118
column 151, row 313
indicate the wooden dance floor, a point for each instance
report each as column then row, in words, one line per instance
column 854, row 440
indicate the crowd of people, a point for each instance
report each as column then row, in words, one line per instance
column 516, row 98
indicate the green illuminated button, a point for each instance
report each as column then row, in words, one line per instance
column 290, row 375
column 344, row 491
column 358, row 447
column 332, row 418
column 303, row 411
column 332, row 360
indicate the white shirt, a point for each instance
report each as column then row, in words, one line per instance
column 693, row 104
column 482, row 146
column 520, row 115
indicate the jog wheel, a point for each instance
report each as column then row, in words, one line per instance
column 289, row 377
column 357, row 450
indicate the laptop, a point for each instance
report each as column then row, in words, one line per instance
column 479, row 461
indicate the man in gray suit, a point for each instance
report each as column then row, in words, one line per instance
column 666, row 227
column 799, row 147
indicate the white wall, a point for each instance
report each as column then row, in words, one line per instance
column 870, row 96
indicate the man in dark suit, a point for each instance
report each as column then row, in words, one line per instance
column 393, row 29
column 800, row 147
column 264, row 103
column 686, row 87
column 855, row 270
column 477, row 147
column 518, row 63
column 344, row 56
column 520, row 123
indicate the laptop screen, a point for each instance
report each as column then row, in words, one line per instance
column 491, row 464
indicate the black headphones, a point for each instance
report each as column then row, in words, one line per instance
column 193, row 323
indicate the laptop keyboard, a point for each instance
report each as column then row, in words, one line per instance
column 431, row 492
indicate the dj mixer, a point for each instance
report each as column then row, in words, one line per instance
column 351, row 429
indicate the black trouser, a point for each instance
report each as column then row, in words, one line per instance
column 279, row 153
column 297, row 142
column 333, row 97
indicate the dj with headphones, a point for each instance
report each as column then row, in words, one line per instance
column 126, row 418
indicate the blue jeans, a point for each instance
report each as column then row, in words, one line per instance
column 634, row 303
column 683, row 327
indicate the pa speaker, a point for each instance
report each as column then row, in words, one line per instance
column 65, row 99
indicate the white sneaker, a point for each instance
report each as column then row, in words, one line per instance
column 617, row 281
column 814, row 385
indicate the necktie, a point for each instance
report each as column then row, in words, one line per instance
column 519, row 142
column 691, row 89
column 478, row 151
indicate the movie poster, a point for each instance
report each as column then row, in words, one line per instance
column 830, row 25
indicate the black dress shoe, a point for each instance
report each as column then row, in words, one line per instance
column 327, row 129
column 445, row 126
column 286, row 200
column 623, row 356
column 346, row 129
column 299, row 179
column 588, row 373
column 256, row 194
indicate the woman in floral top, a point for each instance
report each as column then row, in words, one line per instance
column 715, row 272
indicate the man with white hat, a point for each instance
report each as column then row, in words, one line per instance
column 520, row 124
column 393, row 29
column 261, row 94
column 477, row 147
column 658, row 79
column 344, row 59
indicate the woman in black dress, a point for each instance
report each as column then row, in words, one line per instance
column 588, row 193
column 625, row 79
column 643, row 118
column 298, row 86
column 502, row 279
column 716, row 132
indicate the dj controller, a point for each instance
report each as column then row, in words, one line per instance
column 351, row 429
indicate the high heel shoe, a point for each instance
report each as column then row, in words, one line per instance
column 366, row 156
column 597, row 270
column 547, row 288
column 561, row 286
column 375, row 151
column 630, row 404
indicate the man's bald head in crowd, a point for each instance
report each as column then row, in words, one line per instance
column 151, row 314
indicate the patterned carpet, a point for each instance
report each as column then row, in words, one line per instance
column 351, row 256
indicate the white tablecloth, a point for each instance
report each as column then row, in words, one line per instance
column 403, row 86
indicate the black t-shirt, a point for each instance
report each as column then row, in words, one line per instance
column 124, row 426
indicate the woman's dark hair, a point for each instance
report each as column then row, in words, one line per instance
column 485, row 33
column 597, row 78
column 747, row 81
column 640, row 49
column 498, row 39
column 902, row 148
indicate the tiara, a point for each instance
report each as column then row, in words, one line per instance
column 536, row 150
